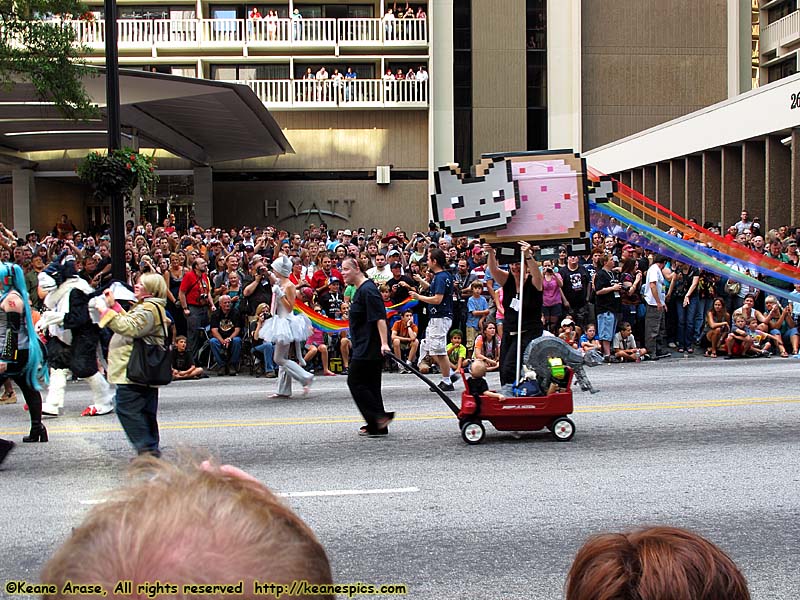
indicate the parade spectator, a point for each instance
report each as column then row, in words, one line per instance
column 568, row 332
column 224, row 525
column 487, row 347
column 196, row 300
column 576, row 287
column 456, row 352
column 183, row 366
column 404, row 338
column 607, row 290
column 739, row 341
column 655, row 298
column 624, row 345
column 588, row 341
column 226, row 341
column 477, row 311
column 718, row 322
column 656, row 563
column 684, row 287
column 552, row 296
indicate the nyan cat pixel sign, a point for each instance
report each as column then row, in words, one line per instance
column 465, row 205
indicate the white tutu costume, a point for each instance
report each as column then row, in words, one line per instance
column 284, row 327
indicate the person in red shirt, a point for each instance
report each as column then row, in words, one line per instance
column 320, row 279
column 196, row 300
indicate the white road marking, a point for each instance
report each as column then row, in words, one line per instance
column 311, row 494
column 408, row 490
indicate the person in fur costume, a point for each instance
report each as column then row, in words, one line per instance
column 72, row 337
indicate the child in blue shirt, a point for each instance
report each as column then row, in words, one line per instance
column 477, row 309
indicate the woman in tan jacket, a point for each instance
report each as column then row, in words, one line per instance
column 136, row 404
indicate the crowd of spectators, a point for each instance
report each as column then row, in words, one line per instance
column 219, row 290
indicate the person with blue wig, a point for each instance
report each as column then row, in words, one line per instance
column 21, row 357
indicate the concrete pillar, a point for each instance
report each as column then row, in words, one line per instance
column 694, row 186
column 649, row 188
column 441, row 120
column 795, row 191
column 204, row 196
column 754, row 178
column 663, row 196
column 24, row 194
column 637, row 183
column 778, row 183
column 731, row 186
column 677, row 185
column 712, row 188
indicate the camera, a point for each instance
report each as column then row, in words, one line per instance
column 202, row 298
column 262, row 270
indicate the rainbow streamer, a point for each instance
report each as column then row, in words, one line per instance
column 764, row 264
column 688, row 251
column 328, row 325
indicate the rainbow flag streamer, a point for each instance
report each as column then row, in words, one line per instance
column 328, row 325
column 652, row 238
column 661, row 214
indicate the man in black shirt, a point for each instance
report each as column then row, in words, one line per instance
column 398, row 290
column 607, row 303
column 369, row 337
column 226, row 343
column 576, row 288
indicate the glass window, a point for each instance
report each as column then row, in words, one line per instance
column 782, row 69
column 537, row 129
column 224, row 72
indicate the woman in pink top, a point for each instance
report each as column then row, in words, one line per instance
column 552, row 297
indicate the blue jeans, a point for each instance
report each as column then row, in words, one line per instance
column 703, row 306
column 268, row 349
column 234, row 349
column 687, row 316
column 137, row 406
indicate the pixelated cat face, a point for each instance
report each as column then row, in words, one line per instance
column 466, row 205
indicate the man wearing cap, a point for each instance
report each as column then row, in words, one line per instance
column 399, row 284
column 331, row 299
column 380, row 273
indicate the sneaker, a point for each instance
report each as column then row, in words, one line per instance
column 446, row 387
column 345, row 371
column 607, row 358
column 454, row 377
column 646, row 357
column 663, row 354
column 405, row 371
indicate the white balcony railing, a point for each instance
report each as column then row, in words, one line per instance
column 360, row 32
column 145, row 33
column 782, row 32
column 356, row 93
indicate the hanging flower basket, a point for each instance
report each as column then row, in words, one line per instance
column 119, row 172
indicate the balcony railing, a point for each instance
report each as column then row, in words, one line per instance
column 354, row 93
column 782, row 32
column 302, row 33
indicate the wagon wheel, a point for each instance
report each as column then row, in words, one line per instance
column 563, row 429
column 473, row 432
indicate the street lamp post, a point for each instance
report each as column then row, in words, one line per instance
column 114, row 139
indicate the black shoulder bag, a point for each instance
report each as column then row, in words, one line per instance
column 151, row 364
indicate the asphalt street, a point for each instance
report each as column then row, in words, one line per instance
column 709, row 445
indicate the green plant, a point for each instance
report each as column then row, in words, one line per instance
column 119, row 172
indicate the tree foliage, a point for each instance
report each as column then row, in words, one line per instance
column 38, row 44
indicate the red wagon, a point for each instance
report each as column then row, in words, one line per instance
column 519, row 413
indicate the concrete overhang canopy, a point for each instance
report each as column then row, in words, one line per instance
column 200, row 120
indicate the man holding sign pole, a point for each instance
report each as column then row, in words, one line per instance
column 523, row 308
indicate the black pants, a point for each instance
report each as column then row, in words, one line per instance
column 364, row 381
column 137, row 406
column 508, row 353
column 32, row 397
